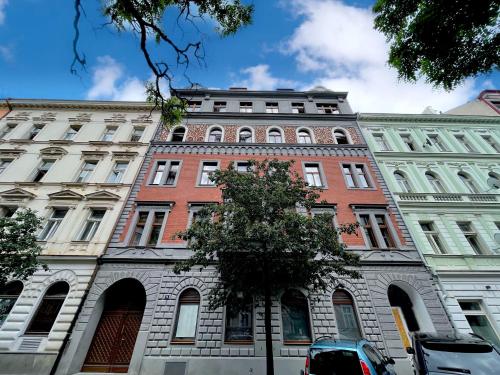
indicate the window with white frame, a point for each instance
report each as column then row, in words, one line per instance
column 86, row 170
column 403, row 183
column 327, row 108
column 298, row 108
column 437, row 142
column 312, row 174
column 4, row 163
column 272, row 107
column 53, row 222
column 274, row 136
column 194, row 106
column 465, row 143
column 34, row 131
column 137, row 133
column 207, row 169
column 42, row 170
column 381, row 142
column 479, row 320
column 186, row 321
column 472, row 237
column 220, row 107
column 72, row 132
column 340, row 137
column 435, row 182
column 178, row 134
column 468, row 183
column 377, row 229
column 91, row 224
column 409, row 142
column 108, row 134
column 242, row 166
column 117, row 173
column 6, row 130
column 246, row 107
column 491, row 141
column 245, row 136
column 215, row 135
column 356, row 175
column 165, row 172
column 148, row 226
column 433, row 237
column 304, row 136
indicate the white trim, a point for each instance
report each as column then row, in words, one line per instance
column 277, row 128
column 346, row 133
column 171, row 133
column 210, row 128
column 309, row 130
column 252, row 130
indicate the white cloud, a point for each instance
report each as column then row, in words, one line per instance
column 6, row 53
column 109, row 82
column 3, row 4
column 258, row 77
column 338, row 44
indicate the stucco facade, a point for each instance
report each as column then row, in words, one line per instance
column 444, row 173
column 74, row 163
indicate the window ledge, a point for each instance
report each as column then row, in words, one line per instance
column 239, row 342
column 182, row 342
column 297, row 342
column 80, row 242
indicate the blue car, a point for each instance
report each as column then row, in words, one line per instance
column 346, row 357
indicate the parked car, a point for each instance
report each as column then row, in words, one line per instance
column 453, row 354
column 346, row 357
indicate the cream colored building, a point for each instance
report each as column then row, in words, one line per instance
column 74, row 162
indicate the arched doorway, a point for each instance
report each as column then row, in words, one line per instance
column 114, row 338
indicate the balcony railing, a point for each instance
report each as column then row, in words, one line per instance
column 447, row 197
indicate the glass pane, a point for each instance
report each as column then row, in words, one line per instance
column 475, row 306
column 239, row 325
column 347, row 322
column 295, row 318
column 46, row 315
column 481, row 326
column 6, row 304
column 186, row 323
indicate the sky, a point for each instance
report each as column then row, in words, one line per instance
column 295, row 44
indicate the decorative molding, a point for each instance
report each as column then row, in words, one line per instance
column 124, row 155
column 17, row 194
column 94, row 154
column 11, row 152
column 102, row 195
column 65, row 195
column 81, row 117
column 53, row 151
column 445, row 119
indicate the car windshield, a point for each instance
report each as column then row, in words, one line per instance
column 335, row 362
column 460, row 358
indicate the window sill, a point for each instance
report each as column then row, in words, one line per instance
column 80, row 242
column 297, row 342
column 239, row 342
column 182, row 342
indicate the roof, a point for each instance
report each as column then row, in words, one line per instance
column 338, row 344
column 451, row 337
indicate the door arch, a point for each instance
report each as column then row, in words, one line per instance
column 114, row 338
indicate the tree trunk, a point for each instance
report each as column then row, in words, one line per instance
column 268, row 329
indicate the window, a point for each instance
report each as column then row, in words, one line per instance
column 295, row 317
column 8, row 211
column 356, row 176
column 274, row 136
column 367, row 228
column 137, row 133
column 479, row 321
column 436, row 141
column 408, row 141
column 327, row 108
column 220, row 107
column 207, row 168
column 72, row 132
column 34, row 131
column 108, row 134
column 187, row 316
column 148, row 227
column 86, row 171
column 472, row 237
column 92, row 224
column 4, row 163
column 272, row 108
column 403, row 183
column 245, row 136
column 139, row 228
column 468, row 183
column 215, row 135
column 435, row 182
column 304, row 136
column 193, row 106
column 178, row 134
column 49, row 308
column 465, row 143
column 340, row 137
column 495, row 177
column 42, row 170
column 52, row 224
column 491, row 141
column 117, row 173
column 239, row 325
column 7, row 129
column 242, row 166
column 166, row 173
column 312, row 174
column 9, row 294
column 384, row 231
column 375, row 359
column 433, row 237
column 377, row 231
column 345, row 315
column 298, row 108
column 381, row 142
column 246, row 107
column 156, row 228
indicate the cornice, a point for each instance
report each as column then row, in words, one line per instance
column 45, row 104
column 432, row 156
column 270, row 116
column 396, row 119
column 261, row 93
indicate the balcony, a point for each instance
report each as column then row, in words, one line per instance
column 447, row 197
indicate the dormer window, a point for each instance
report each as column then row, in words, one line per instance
column 246, row 107
column 298, row 108
column 194, row 106
column 272, row 107
column 327, row 108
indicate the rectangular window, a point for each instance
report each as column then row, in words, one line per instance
column 298, row 108
column 108, row 134
column 437, row 142
column 52, row 224
column 139, row 228
column 433, row 237
column 491, row 141
column 242, row 166
column 356, row 176
column 327, row 108
column 381, row 142
column 42, row 170
column 377, row 229
column 72, row 132
column 4, row 163
column 208, row 167
column 220, row 107
column 187, row 321
column 7, row 129
column 86, row 171
column 239, row 325
column 8, row 211
column 408, row 141
column 384, row 231
column 117, row 173
column 479, row 321
column 368, row 229
column 313, row 175
column 246, row 107
column 272, row 107
column 137, row 133
column 465, row 143
column 471, row 236
column 166, row 173
column 156, row 227
column 194, row 106
column 92, row 224
column 34, row 131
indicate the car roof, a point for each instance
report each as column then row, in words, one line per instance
column 337, row 344
column 449, row 338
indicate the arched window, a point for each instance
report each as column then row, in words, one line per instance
column 468, row 183
column 245, row 136
column 187, row 316
column 403, row 182
column 340, row 137
column 274, row 136
column 304, row 136
column 9, row 294
column 435, row 182
column 345, row 314
column 49, row 308
column 295, row 317
column 215, row 135
column 178, row 134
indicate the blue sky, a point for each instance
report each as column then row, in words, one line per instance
column 291, row 44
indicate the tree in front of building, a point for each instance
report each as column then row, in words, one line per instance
column 19, row 249
column 264, row 239
column 444, row 41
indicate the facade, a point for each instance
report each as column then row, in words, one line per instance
column 444, row 174
column 73, row 162
column 164, row 325
column 486, row 104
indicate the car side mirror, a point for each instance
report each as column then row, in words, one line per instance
column 389, row 360
column 410, row 350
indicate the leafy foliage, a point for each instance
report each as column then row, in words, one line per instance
column 445, row 41
column 18, row 247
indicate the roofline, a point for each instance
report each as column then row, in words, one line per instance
column 263, row 93
column 428, row 118
column 14, row 104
